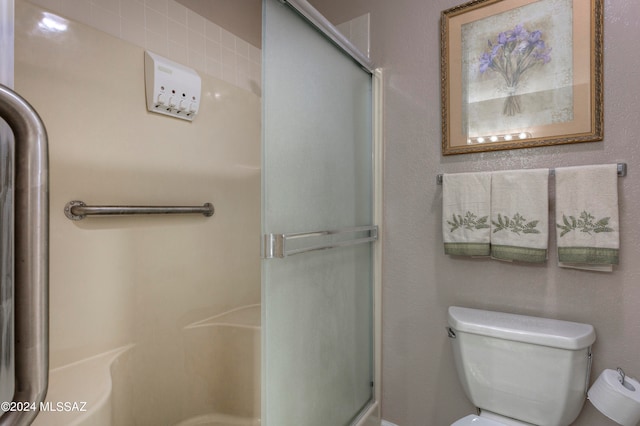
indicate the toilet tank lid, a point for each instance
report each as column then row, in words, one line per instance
column 522, row 328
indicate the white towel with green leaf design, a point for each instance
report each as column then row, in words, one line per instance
column 466, row 206
column 587, row 225
column 520, row 215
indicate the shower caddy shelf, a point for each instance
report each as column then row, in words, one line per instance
column 78, row 210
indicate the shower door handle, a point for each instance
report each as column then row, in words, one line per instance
column 31, row 256
column 277, row 246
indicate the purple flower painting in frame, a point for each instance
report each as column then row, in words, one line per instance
column 521, row 73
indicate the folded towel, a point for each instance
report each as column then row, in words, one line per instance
column 519, row 215
column 587, row 217
column 466, row 206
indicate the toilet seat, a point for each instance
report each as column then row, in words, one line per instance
column 473, row 420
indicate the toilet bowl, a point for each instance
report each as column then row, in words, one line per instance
column 520, row 370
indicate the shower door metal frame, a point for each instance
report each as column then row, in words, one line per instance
column 331, row 32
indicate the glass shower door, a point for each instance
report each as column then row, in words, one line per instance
column 317, row 290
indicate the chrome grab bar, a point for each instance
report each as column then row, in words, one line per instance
column 78, row 210
column 275, row 245
column 621, row 170
column 31, row 222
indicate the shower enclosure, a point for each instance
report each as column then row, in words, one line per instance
column 163, row 320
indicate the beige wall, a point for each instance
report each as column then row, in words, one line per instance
column 243, row 18
column 419, row 382
column 139, row 280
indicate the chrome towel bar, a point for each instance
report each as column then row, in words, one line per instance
column 622, row 172
column 78, row 210
column 277, row 245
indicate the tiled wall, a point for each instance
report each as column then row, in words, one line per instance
column 171, row 30
column 139, row 280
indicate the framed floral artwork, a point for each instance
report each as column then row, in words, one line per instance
column 521, row 74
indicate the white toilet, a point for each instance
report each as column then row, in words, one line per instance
column 520, row 370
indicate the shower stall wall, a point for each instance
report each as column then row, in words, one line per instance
column 134, row 280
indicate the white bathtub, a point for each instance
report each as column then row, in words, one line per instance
column 220, row 381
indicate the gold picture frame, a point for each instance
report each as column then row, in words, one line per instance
column 521, row 74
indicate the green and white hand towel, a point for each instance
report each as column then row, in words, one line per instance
column 466, row 207
column 520, row 215
column 587, row 225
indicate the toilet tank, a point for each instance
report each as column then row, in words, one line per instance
column 531, row 369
